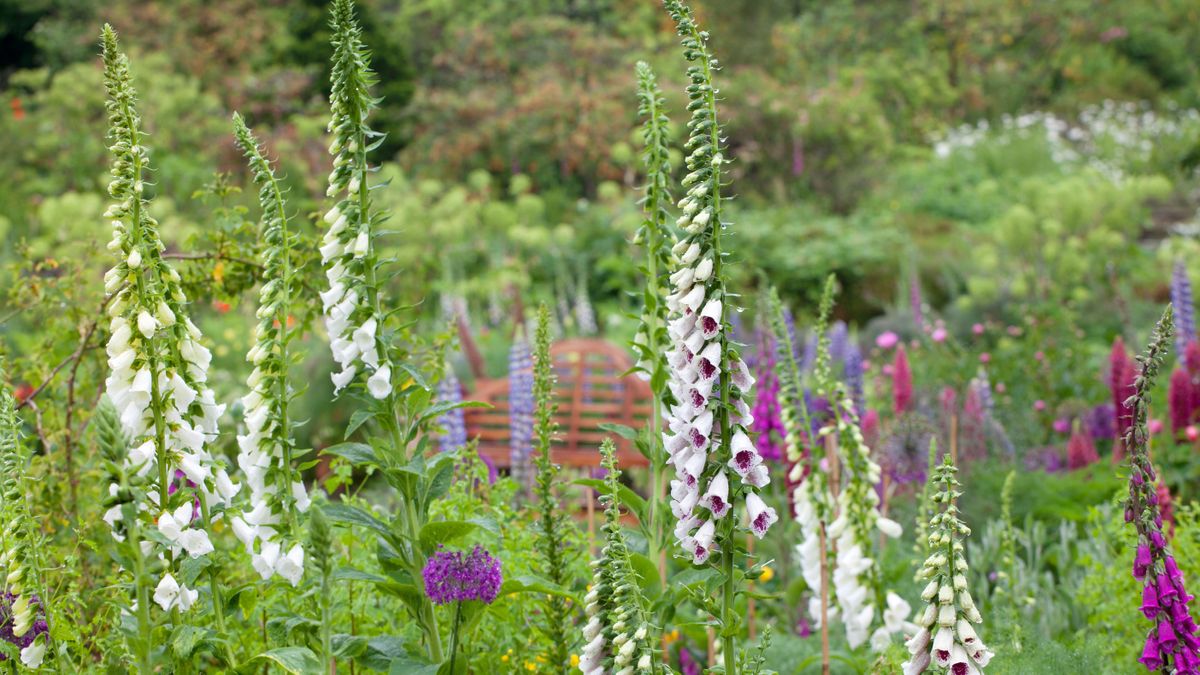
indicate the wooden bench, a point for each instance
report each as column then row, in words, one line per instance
column 590, row 390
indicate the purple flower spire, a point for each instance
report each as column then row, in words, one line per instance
column 452, row 422
column 1171, row 643
column 853, row 369
column 767, row 413
column 839, row 341
column 1181, row 300
column 915, row 301
column 520, row 409
column 450, row 577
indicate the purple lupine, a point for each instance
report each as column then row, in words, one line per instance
column 768, row 421
column 810, row 352
column 520, row 410
column 789, row 320
column 1181, row 300
column 839, row 341
column 452, row 422
column 852, row 367
column 1171, row 643
column 1099, row 421
column 450, row 577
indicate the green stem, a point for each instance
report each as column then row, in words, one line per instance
column 217, row 600
column 145, row 630
column 728, row 647
column 326, row 627
column 454, row 635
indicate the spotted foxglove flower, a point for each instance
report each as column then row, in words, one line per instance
column 945, row 633
column 1171, row 643
column 277, row 493
column 158, row 365
column 351, row 301
column 706, row 428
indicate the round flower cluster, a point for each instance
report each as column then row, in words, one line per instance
column 347, row 248
column 945, row 634
column 159, row 369
column 449, row 577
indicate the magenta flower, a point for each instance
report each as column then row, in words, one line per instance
column 449, row 577
column 902, row 382
column 887, row 340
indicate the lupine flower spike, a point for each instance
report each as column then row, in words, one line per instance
column 18, row 546
column 452, row 422
column 716, row 464
column 1171, row 644
column 268, row 527
column 945, row 634
column 159, row 368
column 1181, row 300
column 520, row 410
column 618, row 637
column 351, row 303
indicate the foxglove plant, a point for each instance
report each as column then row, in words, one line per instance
column 716, row 463
column 24, row 589
column 520, row 410
column 618, row 636
column 553, row 526
column 269, row 524
column 945, row 634
column 1181, row 300
column 650, row 343
column 353, row 317
column 159, row 368
column 856, row 579
column 1171, row 644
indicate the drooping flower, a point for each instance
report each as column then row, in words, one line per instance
column 1181, row 300
column 1172, row 643
column 520, row 410
column 351, row 301
column 158, row 366
column 450, row 576
column 945, row 634
column 902, row 383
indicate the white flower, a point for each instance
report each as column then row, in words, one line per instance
column 32, row 655
column 146, row 324
column 264, row 562
column 716, row 499
column 171, row 524
column 167, row 592
column 379, row 384
column 889, row 527
column 761, row 516
column 291, row 566
column 340, row 380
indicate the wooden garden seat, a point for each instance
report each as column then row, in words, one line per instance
column 590, row 390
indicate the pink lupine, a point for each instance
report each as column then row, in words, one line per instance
column 902, row 383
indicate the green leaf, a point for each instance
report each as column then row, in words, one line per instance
column 407, row 665
column 355, row 453
column 632, row 500
column 359, row 418
column 531, row 584
column 619, row 429
column 351, row 574
column 442, row 532
column 185, row 639
column 190, row 569
column 352, row 515
column 295, row 660
column 348, row 646
column 647, row 572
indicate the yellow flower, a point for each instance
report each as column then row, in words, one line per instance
column 505, row 657
column 530, row 667
column 574, row 660
column 767, row 574
column 672, row 636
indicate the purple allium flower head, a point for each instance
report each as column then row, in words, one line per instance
column 1100, row 421
column 451, row 577
column 1181, row 299
column 520, row 409
column 452, row 422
